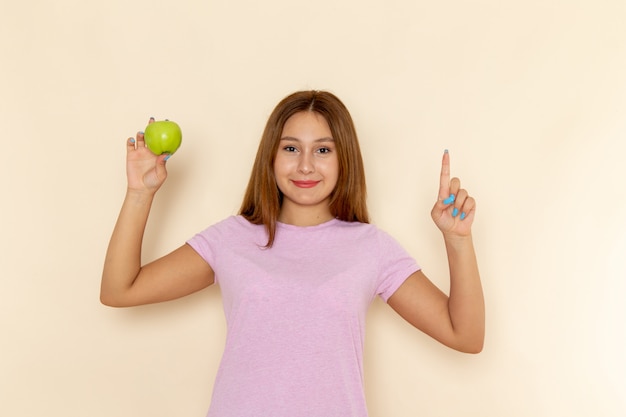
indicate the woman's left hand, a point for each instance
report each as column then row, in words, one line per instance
column 453, row 213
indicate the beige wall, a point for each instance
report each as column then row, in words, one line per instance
column 529, row 96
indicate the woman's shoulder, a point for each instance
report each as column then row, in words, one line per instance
column 370, row 234
column 236, row 222
column 361, row 230
column 233, row 225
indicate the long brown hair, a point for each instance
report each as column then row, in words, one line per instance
column 262, row 200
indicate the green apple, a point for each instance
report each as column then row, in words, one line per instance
column 163, row 137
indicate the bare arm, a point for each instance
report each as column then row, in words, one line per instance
column 457, row 320
column 125, row 282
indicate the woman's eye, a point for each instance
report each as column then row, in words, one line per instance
column 324, row 150
column 290, row 148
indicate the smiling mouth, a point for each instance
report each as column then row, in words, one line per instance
column 305, row 184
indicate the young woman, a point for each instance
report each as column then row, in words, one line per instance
column 299, row 266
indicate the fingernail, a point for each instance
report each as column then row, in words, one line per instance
column 132, row 140
column 455, row 211
column 167, row 157
column 449, row 200
column 445, row 151
column 141, row 132
column 463, row 216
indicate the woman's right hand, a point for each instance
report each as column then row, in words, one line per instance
column 125, row 281
column 145, row 171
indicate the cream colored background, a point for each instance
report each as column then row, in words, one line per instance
column 529, row 96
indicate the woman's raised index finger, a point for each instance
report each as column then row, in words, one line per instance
column 444, row 179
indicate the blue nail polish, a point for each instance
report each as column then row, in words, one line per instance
column 445, row 151
column 455, row 211
column 167, row 157
column 132, row 140
column 449, row 200
column 141, row 132
column 463, row 215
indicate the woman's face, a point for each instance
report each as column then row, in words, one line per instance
column 306, row 166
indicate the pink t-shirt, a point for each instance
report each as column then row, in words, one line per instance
column 295, row 314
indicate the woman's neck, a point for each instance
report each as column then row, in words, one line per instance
column 304, row 217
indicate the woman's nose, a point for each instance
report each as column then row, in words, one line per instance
column 306, row 164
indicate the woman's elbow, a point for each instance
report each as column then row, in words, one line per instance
column 474, row 349
column 473, row 346
column 108, row 301
column 111, row 300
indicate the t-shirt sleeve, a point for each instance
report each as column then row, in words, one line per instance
column 201, row 243
column 207, row 243
column 396, row 265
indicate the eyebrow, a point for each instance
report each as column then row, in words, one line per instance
column 292, row 139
